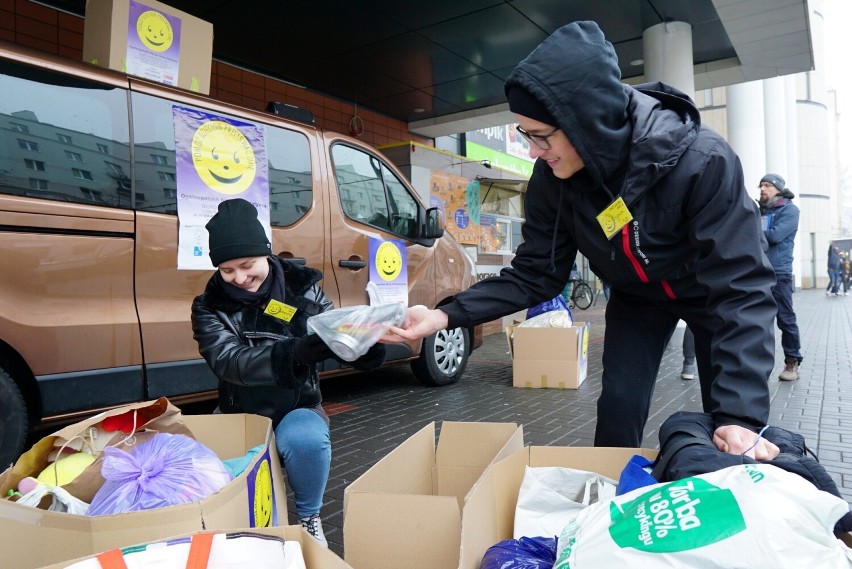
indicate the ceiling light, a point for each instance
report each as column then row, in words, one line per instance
column 419, row 110
column 637, row 62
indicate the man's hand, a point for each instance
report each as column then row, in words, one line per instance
column 738, row 440
column 419, row 323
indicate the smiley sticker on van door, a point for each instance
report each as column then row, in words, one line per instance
column 388, row 261
column 223, row 157
column 155, row 31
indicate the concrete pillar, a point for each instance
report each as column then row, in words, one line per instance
column 667, row 50
column 775, row 121
column 802, row 255
column 746, row 129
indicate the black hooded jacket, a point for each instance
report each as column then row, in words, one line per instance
column 695, row 236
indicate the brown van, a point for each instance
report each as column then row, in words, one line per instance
column 93, row 311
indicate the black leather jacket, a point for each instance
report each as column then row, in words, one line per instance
column 252, row 353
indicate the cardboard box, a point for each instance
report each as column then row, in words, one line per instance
column 42, row 537
column 316, row 556
column 549, row 357
column 489, row 512
column 406, row 511
column 149, row 39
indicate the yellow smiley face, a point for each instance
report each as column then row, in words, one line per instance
column 155, row 31
column 388, row 261
column 223, row 157
column 263, row 496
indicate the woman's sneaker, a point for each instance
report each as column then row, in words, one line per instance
column 688, row 371
column 313, row 525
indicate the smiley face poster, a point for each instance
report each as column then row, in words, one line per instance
column 389, row 270
column 217, row 158
column 153, row 44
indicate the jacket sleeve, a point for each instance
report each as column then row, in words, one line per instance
column 530, row 279
column 733, row 269
column 785, row 222
column 233, row 361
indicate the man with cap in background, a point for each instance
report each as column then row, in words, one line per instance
column 655, row 201
column 780, row 220
column 251, row 327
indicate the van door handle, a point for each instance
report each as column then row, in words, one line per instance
column 350, row 264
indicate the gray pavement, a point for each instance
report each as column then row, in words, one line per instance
column 372, row 414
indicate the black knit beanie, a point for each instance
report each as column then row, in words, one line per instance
column 235, row 232
column 522, row 102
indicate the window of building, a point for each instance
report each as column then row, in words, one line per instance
column 64, row 139
column 73, row 156
column 36, row 165
column 92, row 195
column 158, row 159
column 82, row 174
column 166, row 176
column 17, row 127
column 170, row 193
column 115, row 169
column 28, row 145
column 38, row 184
column 103, row 148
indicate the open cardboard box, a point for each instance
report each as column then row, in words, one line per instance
column 316, row 556
column 180, row 53
column 489, row 511
column 406, row 511
column 256, row 497
column 549, row 357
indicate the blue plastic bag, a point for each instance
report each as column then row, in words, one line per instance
column 524, row 553
column 557, row 303
column 635, row 474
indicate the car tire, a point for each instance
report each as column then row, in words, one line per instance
column 14, row 425
column 443, row 357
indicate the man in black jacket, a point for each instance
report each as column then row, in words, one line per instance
column 656, row 202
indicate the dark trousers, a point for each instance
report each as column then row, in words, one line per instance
column 786, row 319
column 688, row 346
column 637, row 333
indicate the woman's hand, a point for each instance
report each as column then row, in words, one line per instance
column 419, row 323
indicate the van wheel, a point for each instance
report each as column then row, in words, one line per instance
column 14, row 425
column 443, row 357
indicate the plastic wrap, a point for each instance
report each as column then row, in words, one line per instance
column 350, row 332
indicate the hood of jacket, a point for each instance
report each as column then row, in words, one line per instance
column 616, row 129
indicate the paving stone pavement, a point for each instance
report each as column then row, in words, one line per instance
column 373, row 413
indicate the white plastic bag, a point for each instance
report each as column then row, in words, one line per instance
column 350, row 332
column 61, row 500
column 551, row 496
column 749, row 516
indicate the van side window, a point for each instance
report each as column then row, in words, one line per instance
column 66, row 122
column 288, row 161
column 371, row 193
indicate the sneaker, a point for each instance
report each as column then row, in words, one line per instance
column 313, row 525
column 688, row 371
column 791, row 372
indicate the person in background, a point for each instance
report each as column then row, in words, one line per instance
column 656, row 203
column 780, row 221
column 250, row 325
column 689, row 369
column 845, row 272
column 833, row 270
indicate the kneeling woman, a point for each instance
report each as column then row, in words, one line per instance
column 250, row 325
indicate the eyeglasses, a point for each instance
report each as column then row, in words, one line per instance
column 539, row 140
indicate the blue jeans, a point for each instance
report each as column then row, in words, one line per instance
column 786, row 319
column 304, row 444
column 833, row 280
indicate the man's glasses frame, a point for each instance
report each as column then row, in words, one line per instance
column 539, row 140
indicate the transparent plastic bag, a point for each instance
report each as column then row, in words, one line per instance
column 552, row 319
column 166, row 470
column 350, row 332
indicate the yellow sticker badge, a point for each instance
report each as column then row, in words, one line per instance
column 614, row 217
column 280, row 310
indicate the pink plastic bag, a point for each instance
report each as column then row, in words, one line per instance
column 165, row 470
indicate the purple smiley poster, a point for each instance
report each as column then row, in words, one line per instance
column 153, row 44
column 389, row 270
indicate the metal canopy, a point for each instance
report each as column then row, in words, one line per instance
column 440, row 64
